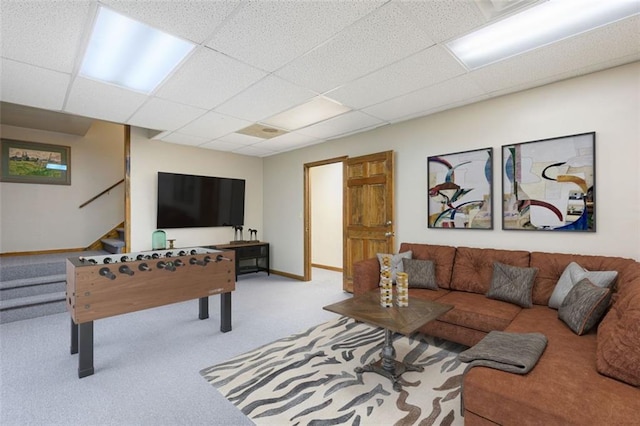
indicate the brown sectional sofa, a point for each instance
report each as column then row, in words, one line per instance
column 591, row 379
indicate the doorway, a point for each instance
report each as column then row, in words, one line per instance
column 367, row 212
column 323, row 212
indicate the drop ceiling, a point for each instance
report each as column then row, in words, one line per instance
column 385, row 60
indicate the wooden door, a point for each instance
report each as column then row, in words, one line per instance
column 368, row 210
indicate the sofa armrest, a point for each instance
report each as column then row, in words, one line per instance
column 366, row 275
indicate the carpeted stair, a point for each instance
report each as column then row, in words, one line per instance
column 33, row 286
column 114, row 245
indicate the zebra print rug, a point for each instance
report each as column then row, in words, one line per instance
column 309, row 379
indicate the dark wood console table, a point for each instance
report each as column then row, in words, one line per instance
column 251, row 256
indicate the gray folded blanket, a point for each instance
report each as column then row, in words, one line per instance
column 513, row 352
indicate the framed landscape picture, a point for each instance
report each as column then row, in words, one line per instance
column 31, row 162
column 549, row 184
column 460, row 190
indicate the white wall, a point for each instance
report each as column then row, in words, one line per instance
column 36, row 217
column 606, row 102
column 326, row 214
column 148, row 157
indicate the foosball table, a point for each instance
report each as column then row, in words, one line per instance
column 105, row 286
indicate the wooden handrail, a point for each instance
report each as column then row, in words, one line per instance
column 101, row 194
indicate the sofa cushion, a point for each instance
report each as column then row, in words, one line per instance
column 563, row 388
column 473, row 267
column 584, row 306
column 574, row 273
column 442, row 257
column 475, row 311
column 395, row 262
column 421, row 273
column 512, row 284
column 552, row 265
column 618, row 351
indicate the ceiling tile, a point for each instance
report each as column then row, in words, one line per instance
column 116, row 104
column 379, row 39
column 267, row 97
column 269, row 34
column 444, row 19
column 207, row 79
column 193, row 20
column 28, row 85
column 290, row 141
column 240, row 139
column 440, row 95
column 343, row 124
column 43, row 33
column 213, row 125
column 597, row 46
column 423, row 69
column 219, row 145
column 182, row 139
column 161, row 114
column 253, row 150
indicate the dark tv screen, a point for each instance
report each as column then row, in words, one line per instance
column 189, row 201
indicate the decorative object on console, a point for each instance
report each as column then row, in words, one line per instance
column 402, row 289
column 460, row 190
column 238, row 236
column 159, row 240
column 584, row 306
column 422, row 273
column 512, row 284
column 395, row 262
column 31, row 162
column 575, row 273
column 253, row 235
column 549, row 184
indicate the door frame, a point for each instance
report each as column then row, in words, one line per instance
column 307, row 209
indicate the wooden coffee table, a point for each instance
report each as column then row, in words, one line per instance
column 405, row 320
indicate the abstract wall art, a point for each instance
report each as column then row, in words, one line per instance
column 549, row 184
column 460, row 190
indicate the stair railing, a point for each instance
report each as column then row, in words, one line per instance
column 101, row 194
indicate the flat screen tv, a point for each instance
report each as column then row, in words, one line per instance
column 189, row 201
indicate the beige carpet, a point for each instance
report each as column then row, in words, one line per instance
column 308, row 379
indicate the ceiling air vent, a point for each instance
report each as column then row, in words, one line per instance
column 261, row 131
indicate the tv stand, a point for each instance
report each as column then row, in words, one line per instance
column 251, row 256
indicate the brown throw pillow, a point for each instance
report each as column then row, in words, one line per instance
column 584, row 306
column 618, row 350
column 422, row 273
column 512, row 284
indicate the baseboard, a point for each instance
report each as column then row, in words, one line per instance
column 287, row 275
column 36, row 252
column 330, row 268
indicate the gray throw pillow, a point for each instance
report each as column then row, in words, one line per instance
column 422, row 273
column 396, row 262
column 512, row 284
column 584, row 306
column 573, row 274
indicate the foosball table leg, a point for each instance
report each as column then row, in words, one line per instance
column 85, row 353
column 203, row 311
column 74, row 338
column 225, row 312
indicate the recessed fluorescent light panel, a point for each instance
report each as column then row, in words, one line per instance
column 130, row 54
column 316, row 110
column 538, row 26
